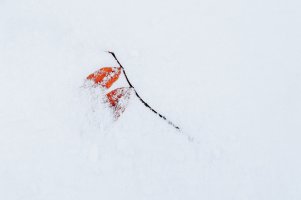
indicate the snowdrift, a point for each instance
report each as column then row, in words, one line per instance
column 226, row 72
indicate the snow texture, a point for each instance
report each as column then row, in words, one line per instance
column 227, row 72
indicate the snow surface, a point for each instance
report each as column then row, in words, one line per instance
column 227, row 72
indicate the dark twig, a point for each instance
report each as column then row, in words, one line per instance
column 145, row 104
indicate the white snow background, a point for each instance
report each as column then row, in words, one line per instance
column 227, row 72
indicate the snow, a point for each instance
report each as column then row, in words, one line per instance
column 227, row 72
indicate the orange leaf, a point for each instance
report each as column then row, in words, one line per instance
column 118, row 100
column 105, row 76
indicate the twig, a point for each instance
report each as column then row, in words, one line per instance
column 145, row 104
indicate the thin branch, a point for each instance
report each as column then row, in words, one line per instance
column 145, row 104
